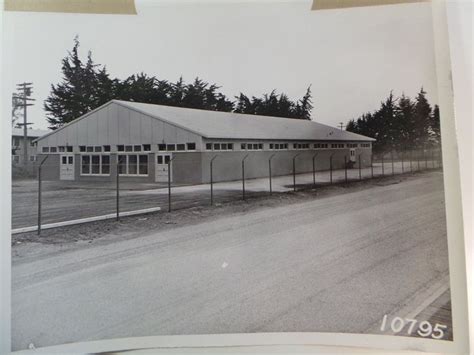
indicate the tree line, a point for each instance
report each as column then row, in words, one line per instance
column 87, row 85
column 400, row 123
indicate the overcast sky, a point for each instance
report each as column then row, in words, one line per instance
column 352, row 57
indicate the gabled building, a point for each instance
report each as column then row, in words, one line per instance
column 141, row 139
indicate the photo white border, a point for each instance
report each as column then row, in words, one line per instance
column 455, row 243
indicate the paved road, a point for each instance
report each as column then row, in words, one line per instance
column 335, row 264
column 69, row 200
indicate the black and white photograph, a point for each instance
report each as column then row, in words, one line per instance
column 235, row 167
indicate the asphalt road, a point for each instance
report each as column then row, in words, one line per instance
column 335, row 264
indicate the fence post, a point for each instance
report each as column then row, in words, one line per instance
column 426, row 159
column 403, row 169
column 39, row 194
column 243, row 176
column 294, row 171
column 383, row 167
column 393, row 165
column 330, row 168
column 169, row 183
column 270, row 172
column 117, row 189
column 314, row 169
column 212, row 179
column 372, row 165
column 418, row 160
column 411, row 161
column 360, row 168
column 39, row 200
column 345, row 168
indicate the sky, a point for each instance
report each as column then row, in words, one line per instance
column 352, row 58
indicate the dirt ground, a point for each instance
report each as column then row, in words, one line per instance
column 56, row 240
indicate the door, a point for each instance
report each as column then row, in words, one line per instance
column 161, row 170
column 66, row 171
column 353, row 155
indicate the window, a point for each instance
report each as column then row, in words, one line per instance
column 337, row 145
column 33, row 158
column 53, row 150
column 69, row 148
column 82, row 148
column 143, row 164
column 129, row 148
column 89, row 149
column 16, row 142
column 321, row 145
column 137, row 148
column 191, row 146
column 217, row 146
column 365, row 145
column 223, row 146
column 271, row 146
column 181, row 147
column 85, row 165
column 105, row 166
column 171, row 147
column 134, row 164
column 120, row 148
column 45, row 149
column 93, row 164
column 230, row 146
column 208, row 146
column 98, row 149
column 243, row 146
column 61, row 149
column 162, row 147
column 146, row 147
column 352, row 145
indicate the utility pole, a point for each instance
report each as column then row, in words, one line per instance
column 23, row 94
column 341, row 125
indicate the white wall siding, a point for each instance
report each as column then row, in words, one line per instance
column 113, row 125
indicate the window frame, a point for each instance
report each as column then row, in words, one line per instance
column 138, row 164
column 101, row 164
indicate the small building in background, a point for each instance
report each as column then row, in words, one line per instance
column 18, row 147
column 141, row 141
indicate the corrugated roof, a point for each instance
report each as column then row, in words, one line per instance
column 35, row 133
column 228, row 125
